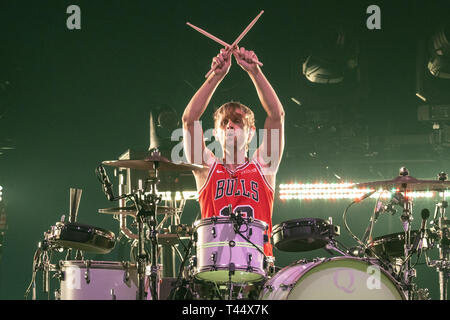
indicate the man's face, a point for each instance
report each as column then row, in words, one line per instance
column 232, row 131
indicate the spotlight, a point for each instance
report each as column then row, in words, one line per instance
column 439, row 63
column 331, row 58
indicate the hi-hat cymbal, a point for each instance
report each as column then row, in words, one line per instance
column 164, row 164
column 407, row 183
column 131, row 210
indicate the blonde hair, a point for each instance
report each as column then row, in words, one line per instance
column 249, row 116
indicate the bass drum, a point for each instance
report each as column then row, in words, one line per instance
column 339, row 278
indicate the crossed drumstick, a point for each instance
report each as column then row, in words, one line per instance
column 226, row 45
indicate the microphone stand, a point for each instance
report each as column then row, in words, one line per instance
column 146, row 215
column 408, row 273
column 442, row 231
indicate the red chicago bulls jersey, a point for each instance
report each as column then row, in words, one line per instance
column 246, row 189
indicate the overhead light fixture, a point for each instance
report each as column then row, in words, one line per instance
column 439, row 63
column 330, row 60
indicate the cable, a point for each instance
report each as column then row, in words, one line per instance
column 248, row 240
column 36, row 263
column 178, row 282
column 344, row 218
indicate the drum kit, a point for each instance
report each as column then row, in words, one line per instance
column 223, row 256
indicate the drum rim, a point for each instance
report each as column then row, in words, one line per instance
column 85, row 227
column 226, row 220
column 392, row 236
column 221, row 268
column 295, row 222
column 97, row 264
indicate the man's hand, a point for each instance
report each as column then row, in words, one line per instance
column 246, row 60
column 222, row 63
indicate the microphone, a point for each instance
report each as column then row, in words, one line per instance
column 425, row 213
column 107, row 185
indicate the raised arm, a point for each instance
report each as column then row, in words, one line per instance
column 270, row 151
column 194, row 144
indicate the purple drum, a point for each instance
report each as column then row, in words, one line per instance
column 224, row 255
column 98, row 280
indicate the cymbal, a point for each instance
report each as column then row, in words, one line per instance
column 131, row 210
column 147, row 164
column 407, row 183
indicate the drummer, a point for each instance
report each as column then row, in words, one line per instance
column 247, row 184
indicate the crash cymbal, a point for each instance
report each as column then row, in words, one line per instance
column 407, row 183
column 147, row 164
column 131, row 210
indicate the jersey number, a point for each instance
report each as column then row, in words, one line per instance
column 246, row 211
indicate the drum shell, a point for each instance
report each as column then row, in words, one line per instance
column 82, row 237
column 392, row 246
column 303, row 234
column 216, row 237
column 339, row 278
column 96, row 281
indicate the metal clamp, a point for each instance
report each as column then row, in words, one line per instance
column 87, row 263
column 126, row 275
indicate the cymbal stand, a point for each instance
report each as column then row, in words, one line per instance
column 146, row 205
column 441, row 228
column 408, row 272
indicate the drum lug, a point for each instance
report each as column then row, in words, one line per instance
column 250, row 232
column 214, row 260
column 126, row 276
column 285, row 287
column 213, row 232
column 269, row 287
column 87, row 263
column 113, row 295
column 193, row 261
column 249, row 261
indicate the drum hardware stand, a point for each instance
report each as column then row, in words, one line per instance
column 146, row 206
column 408, row 272
column 441, row 229
column 231, row 271
column 333, row 246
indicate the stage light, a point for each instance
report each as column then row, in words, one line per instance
column 331, row 58
column 439, row 63
column 337, row 191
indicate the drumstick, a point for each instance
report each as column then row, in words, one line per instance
column 246, row 30
column 242, row 35
column 209, row 35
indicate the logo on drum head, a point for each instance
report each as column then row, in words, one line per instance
column 344, row 280
column 373, row 282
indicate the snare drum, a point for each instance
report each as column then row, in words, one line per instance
column 82, row 237
column 338, row 278
column 98, row 280
column 221, row 252
column 392, row 246
column 303, row 234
